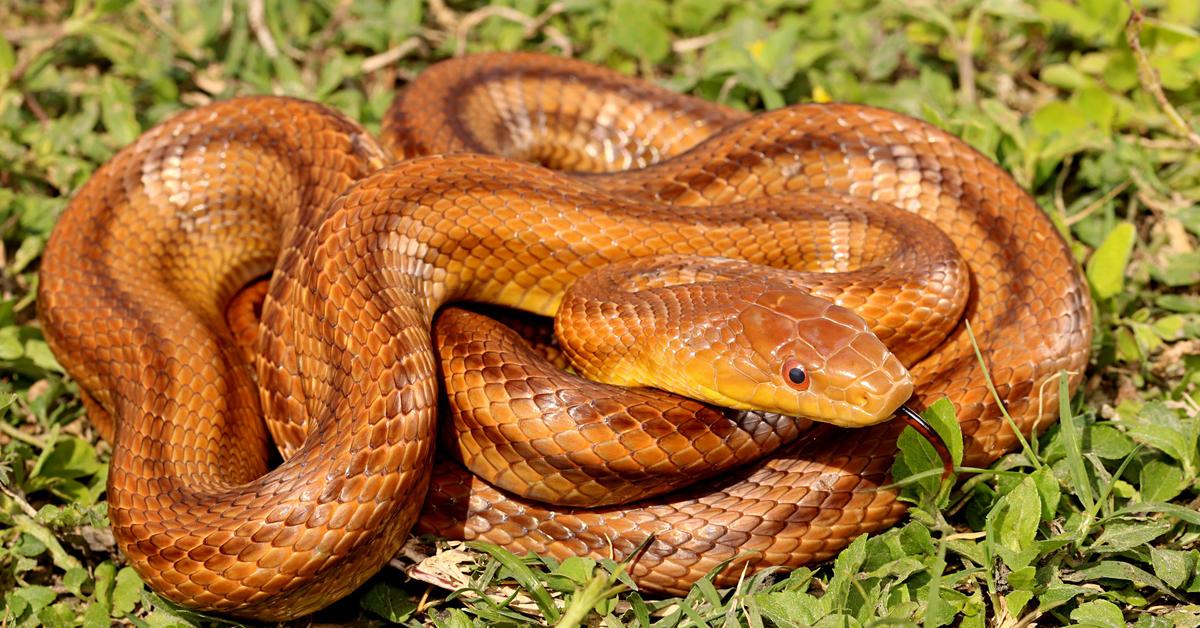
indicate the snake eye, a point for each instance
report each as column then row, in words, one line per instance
column 794, row 373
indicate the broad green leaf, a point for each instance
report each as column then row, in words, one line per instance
column 105, row 7
column 1189, row 515
column 29, row 250
column 1057, row 594
column 636, row 27
column 1120, row 536
column 58, row 615
column 1065, row 76
column 1160, row 481
column 458, row 619
column 7, row 60
column 116, row 110
column 845, row 570
column 126, row 592
column 39, row 353
column 163, row 617
column 31, row 599
column 1007, row 119
column 1097, row 106
column 389, row 602
column 1017, row 600
column 1162, row 428
column 1173, row 566
column 1058, row 118
column 70, row 458
column 692, row 16
column 941, row 417
column 1100, row 613
column 74, row 579
column 1120, row 570
column 787, row 608
column 1017, row 527
column 105, row 575
column 10, row 343
column 1049, row 491
column 1106, row 268
column 576, row 569
column 916, row 456
column 1108, row 442
column 1181, row 269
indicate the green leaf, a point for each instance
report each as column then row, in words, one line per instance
column 1121, row 536
column 1179, row 512
column 1100, row 613
column 105, row 574
column 1017, row 600
column 941, row 416
column 163, row 617
column 74, row 580
column 576, row 570
column 1108, row 442
column 1069, row 428
column 1119, row 570
column 1049, row 491
column 523, row 575
column 635, row 26
column 10, row 343
column 29, row 250
column 1162, row 428
column 1013, row 523
column 126, row 592
column 1181, row 269
column 1173, row 566
column 845, row 568
column 692, row 16
column 106, row 7
column 116, row 110
column 457, row 619
column 31, row 598
column 70, row 458
column 7, row 60
column 938, row 612
column 788, row 608
column 1106, row 268
column 1097, row 106
column 1065, row 76
column 917, row 456
column 59, row 615
column 1058, row 118
column 1057, row 594
column 39, row 353
column 389, row 602
column 1160, row 481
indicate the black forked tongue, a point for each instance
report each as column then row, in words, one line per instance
column 925, row 429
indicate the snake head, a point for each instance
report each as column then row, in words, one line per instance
column 788, row 352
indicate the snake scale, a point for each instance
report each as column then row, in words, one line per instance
column 366, row 240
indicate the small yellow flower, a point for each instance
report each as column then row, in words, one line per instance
column 820, row 95
column 756, row 49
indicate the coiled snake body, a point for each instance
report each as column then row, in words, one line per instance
column 139, row 271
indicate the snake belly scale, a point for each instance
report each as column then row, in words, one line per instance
column 143, row 262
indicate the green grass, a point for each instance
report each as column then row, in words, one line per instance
column 1096, row 522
